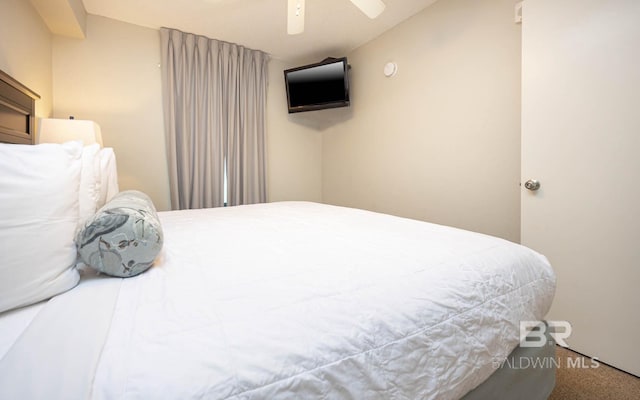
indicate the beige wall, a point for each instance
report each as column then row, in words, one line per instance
column 294, row 150
column 440, row 141
column 25, row 50
column 113, row 78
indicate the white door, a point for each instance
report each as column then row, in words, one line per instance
column 581, row 141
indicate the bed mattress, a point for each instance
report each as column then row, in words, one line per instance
column 288, row 300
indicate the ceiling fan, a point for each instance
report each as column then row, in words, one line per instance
column 295, row 21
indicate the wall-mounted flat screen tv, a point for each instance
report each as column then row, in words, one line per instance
column 318, row 86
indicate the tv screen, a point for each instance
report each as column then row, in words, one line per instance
column 318, row 86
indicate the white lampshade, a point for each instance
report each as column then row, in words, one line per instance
column 52, row 130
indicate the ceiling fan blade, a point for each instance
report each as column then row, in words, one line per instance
column 371, row 8
column 295, row 19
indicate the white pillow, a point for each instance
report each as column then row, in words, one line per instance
column 39, row 213
column 90, row 182
column 108, row 176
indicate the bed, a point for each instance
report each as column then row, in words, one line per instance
column 286, row 300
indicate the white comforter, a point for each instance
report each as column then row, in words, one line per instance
column 294, row 301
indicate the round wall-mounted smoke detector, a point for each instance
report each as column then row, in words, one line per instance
column 390, row 69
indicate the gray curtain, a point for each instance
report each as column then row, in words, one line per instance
column 214, row 97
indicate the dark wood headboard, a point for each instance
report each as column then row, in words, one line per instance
column 17, row 111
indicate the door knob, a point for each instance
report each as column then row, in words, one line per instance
column 532, row 184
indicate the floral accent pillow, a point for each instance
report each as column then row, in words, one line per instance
column 123, row 238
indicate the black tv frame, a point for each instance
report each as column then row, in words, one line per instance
column 320, row 106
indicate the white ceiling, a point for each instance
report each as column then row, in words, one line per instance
column 332, row 27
